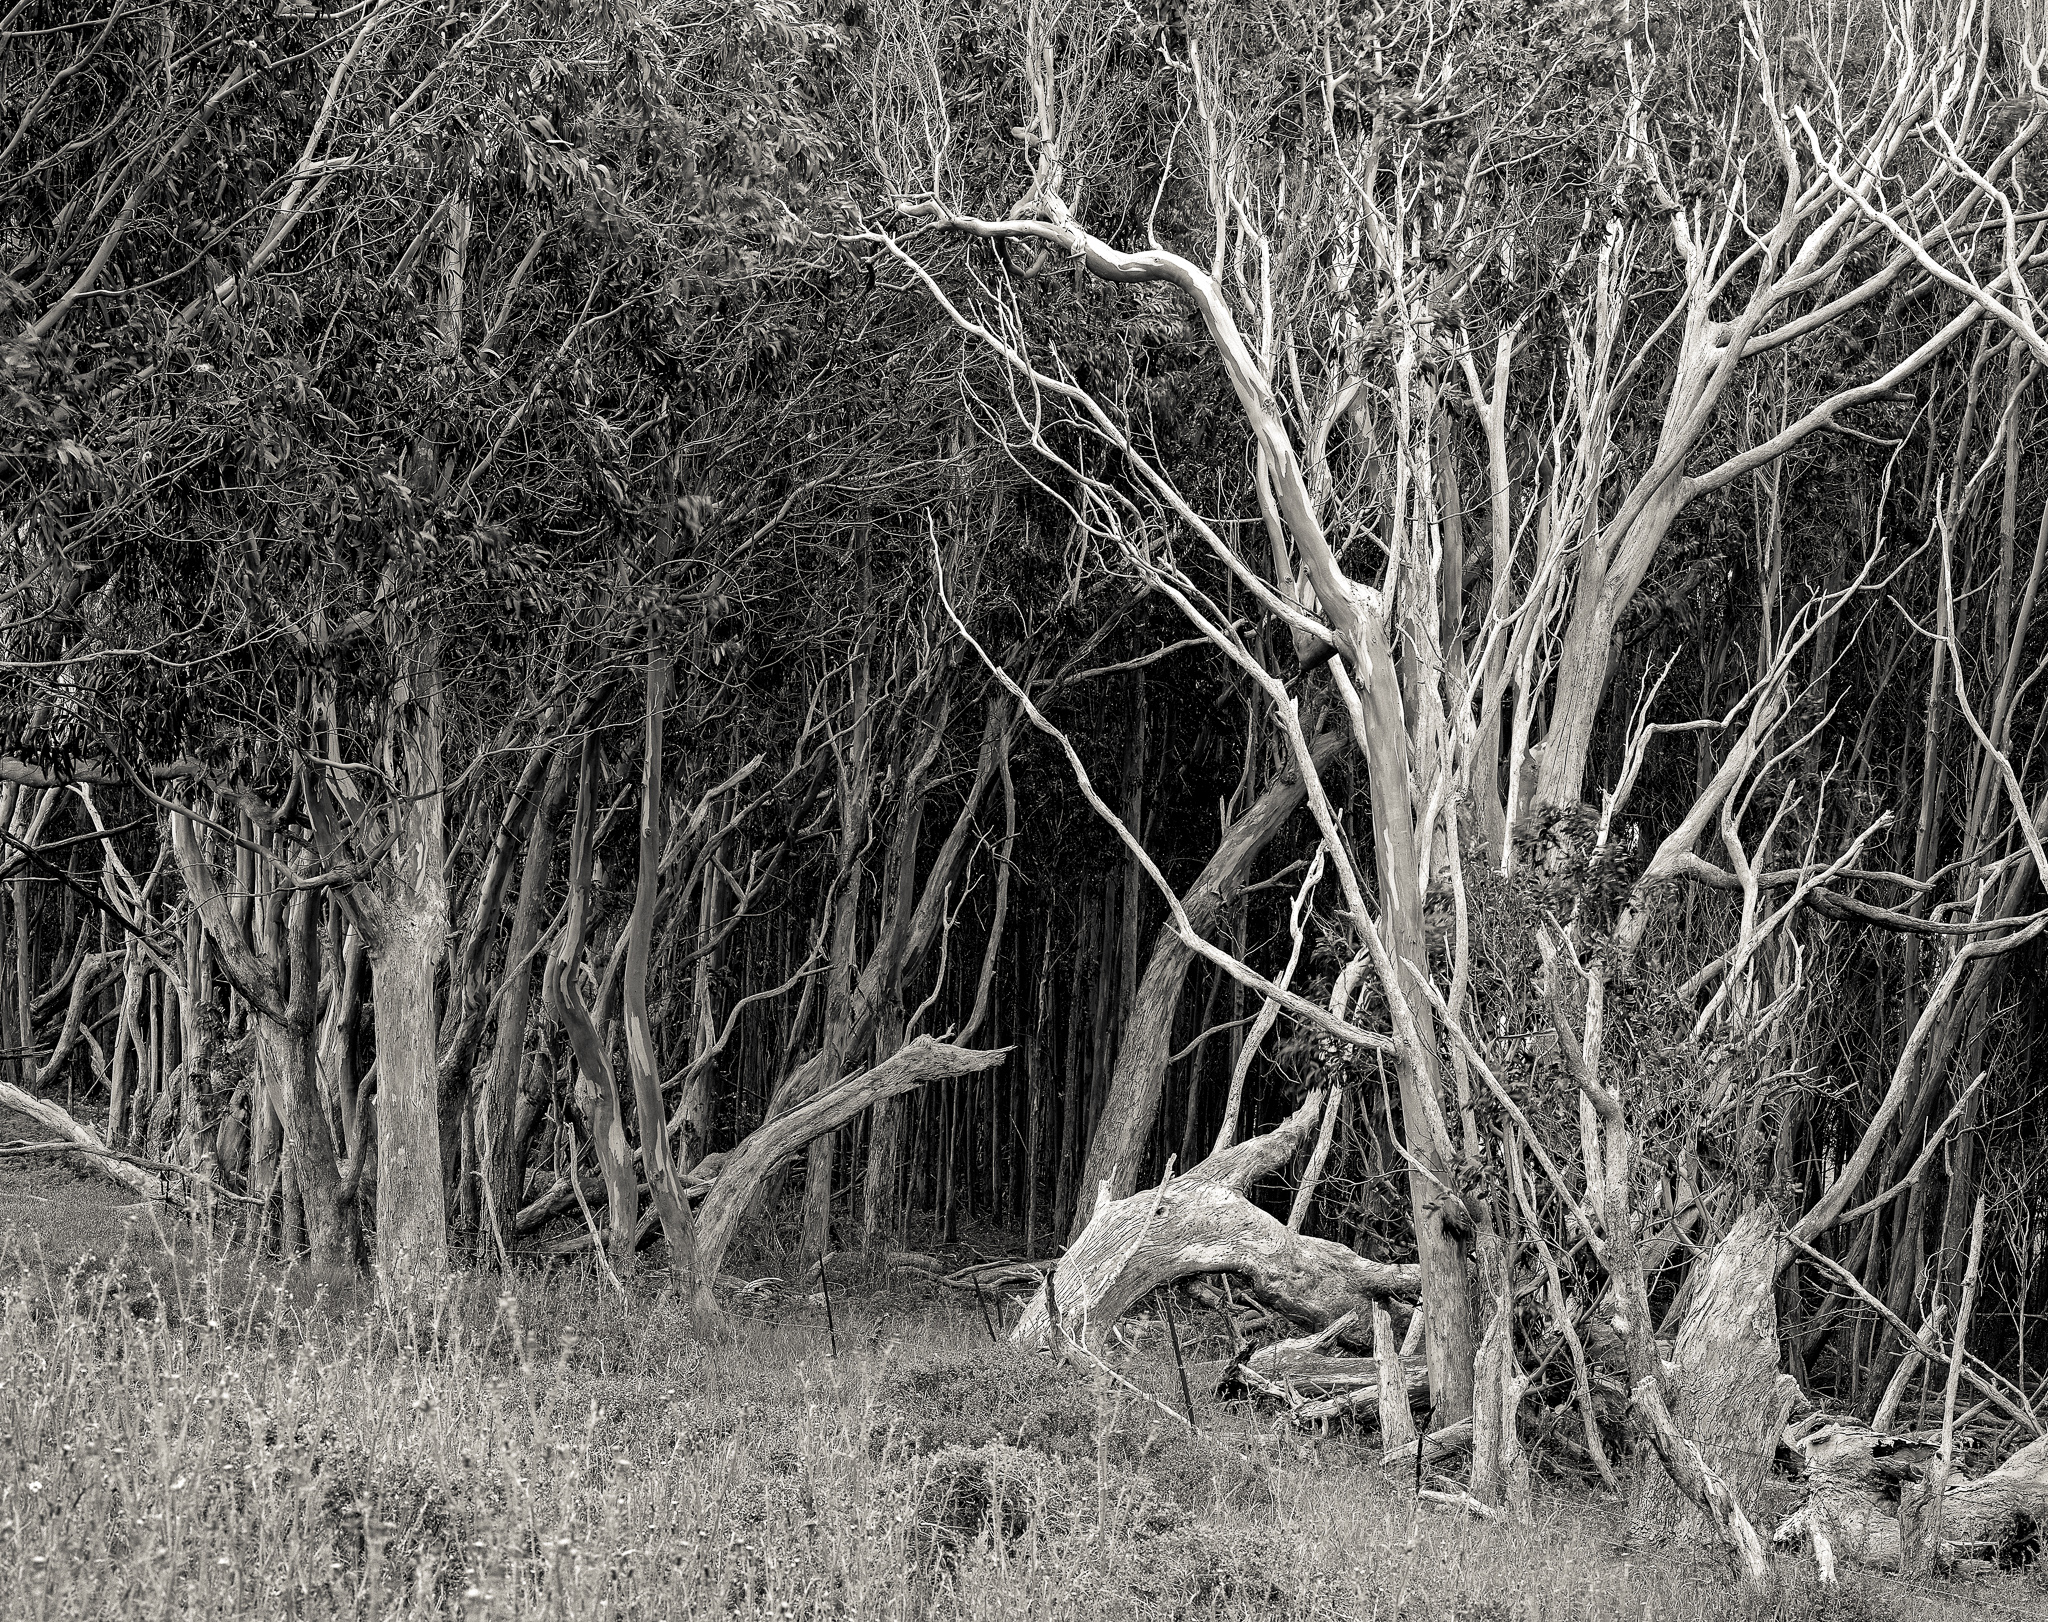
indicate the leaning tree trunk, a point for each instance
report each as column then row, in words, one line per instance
column 1132, row 1104
column 921, row 1060
column 1724, row 1375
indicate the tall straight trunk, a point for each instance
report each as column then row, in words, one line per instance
column 678, row 1226
column 1073, row 1080
column 12, row 1037
column 1102, row 1019
column 406, row 946
column 501, row 1164
column 266, row 1132
column 24, row 983
column 1034, row 1134
column 291, row 1212
column 153, row 1070
column 856, row 796
column 695, row 1106
column 197, row 1049
column 1131, row 1106
column 1134, row 884
column 412, row 1218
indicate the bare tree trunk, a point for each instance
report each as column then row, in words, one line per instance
column 678, row 1226
column 1724, row 1373
column 1132, row 1104
column 282, row 986
column 500, row 1151
column 406, row 945
column 412, row 1217
column 694, row 1109
column 1500, row 1469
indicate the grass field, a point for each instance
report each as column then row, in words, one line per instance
column 191, row 1435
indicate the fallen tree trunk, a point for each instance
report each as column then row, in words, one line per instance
column 1999, row 1517
column 1306, row 1368
column 54, row 1116
column 1313, row 1385
column 1436, row 1447
column 1201, row 1223
column 1862, row 1485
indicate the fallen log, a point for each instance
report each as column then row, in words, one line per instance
column 1314, row 1385
column 1132, row 1247
column 149, row 1184
column 2002, row 1516
column 1302, row 1362
column 1846, row 1513
column 1436, row 1447
column 1461, row 1501
column 995, row 1276
column 1861, row 1486
column 1200, row 1222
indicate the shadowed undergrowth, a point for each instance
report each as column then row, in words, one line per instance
column 207, row 1439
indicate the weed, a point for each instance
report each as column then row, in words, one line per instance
column 189, row 1435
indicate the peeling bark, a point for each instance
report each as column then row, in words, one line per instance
column 1723, row 1378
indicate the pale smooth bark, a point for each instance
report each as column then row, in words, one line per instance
column 1132, row 1104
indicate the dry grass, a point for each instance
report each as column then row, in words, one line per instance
column 198, row 1438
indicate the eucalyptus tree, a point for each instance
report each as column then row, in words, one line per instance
column 1558, row 276
column 350, row 413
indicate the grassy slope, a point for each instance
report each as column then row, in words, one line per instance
column 190, row 1437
